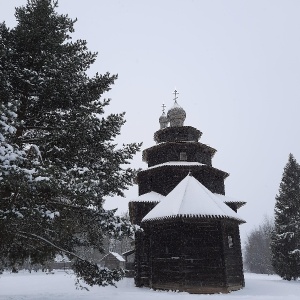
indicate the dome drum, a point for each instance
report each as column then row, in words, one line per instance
column 177, row 134
column 178, row 151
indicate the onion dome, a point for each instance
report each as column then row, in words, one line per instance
column 163, row 121
column 176, row 115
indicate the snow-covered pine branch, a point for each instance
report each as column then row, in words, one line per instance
column 58, row 159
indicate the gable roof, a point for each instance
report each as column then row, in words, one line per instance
column 191, row 199
column 149, row 197
column 115, row 254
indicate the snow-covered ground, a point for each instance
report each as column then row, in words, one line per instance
column 61, row 286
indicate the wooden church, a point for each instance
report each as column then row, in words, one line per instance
column 190, row 239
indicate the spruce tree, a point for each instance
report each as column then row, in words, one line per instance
column 58, row 159
column 286, row 237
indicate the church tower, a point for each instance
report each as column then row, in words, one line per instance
column 190, row 240
column 177, row 152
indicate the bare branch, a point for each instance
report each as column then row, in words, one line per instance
column 37, row 237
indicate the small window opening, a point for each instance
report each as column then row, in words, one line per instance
column 230, row 241
column 183, row 156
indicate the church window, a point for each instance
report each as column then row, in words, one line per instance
column 183, row 156
column 230, row 241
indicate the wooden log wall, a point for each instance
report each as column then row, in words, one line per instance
column 195, row 152
column 138, row 210
column 233, row 254
column 189, row 255
column 164, row 179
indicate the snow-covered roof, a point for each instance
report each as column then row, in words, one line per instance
column 116, row 255
column 149, row 197
column 191, row 199
column 184, row 164
column 61, row 258
column 227, row 199
column 176, row 163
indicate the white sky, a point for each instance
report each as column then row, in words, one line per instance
column 236, row 65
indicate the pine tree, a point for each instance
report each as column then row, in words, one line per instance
column 286, row 238
column 58, row 159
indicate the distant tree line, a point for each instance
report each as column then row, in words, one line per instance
column 257, row 251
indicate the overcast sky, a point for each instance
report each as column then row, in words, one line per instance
column 236, row 65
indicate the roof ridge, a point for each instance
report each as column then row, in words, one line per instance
column 184, row 193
